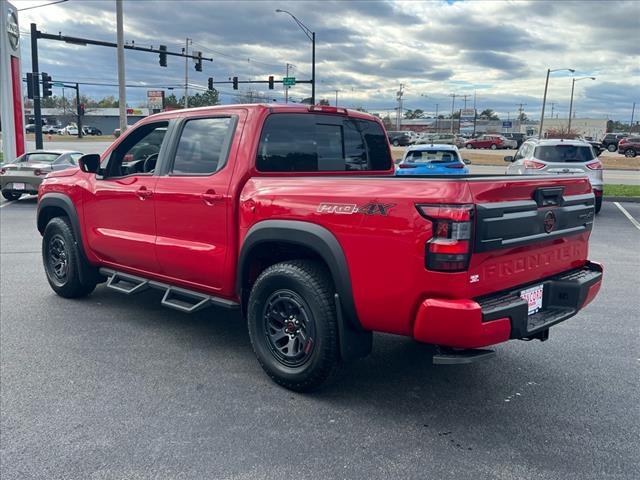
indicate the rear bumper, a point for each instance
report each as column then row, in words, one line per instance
column 496, row 318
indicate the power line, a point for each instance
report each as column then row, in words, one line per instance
column 43, row 5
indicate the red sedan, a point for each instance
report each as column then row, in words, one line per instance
column 486, row 141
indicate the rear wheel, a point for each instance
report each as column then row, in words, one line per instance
column 62, row 260
column 11, row 196
column 292, row 324
column 494, row 146
column 469, row 146
column 396, row 143
column 612, row 147
column 630, row 152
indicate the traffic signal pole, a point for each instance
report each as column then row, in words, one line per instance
column 37, row 112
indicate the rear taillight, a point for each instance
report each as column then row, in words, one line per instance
column 595, row 165
column 3, row 171
column 533, row 164
column 327, row 109
column 622, row 141
column 449, row 249
column 406, row 165
column 455, row 165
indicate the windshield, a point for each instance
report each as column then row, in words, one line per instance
column 564, row 153
column 41, row 157
column 432, row 156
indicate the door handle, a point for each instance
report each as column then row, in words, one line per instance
column 210, row 197
column 143, row 193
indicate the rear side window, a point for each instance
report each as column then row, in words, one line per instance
column 299, row 142
column 203, row 146
column 564, row 153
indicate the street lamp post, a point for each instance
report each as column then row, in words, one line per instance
column 544, row 98
column 573, row 84
column 311, row 36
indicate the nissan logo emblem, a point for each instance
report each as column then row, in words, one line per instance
column 549, row 221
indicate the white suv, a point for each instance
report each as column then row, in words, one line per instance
column 558, row 157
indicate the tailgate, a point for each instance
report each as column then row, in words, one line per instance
column 528, row 228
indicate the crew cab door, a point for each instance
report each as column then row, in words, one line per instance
column 193, row 203
column 119, row 213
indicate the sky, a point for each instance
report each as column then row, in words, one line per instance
column 500, row 51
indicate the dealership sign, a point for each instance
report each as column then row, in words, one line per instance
column 155, row 99
column 467, row 120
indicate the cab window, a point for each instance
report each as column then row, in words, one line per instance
column 138, row 152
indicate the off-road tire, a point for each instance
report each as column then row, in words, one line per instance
column 58, row 242
column 311, row 284
column 612, row 147
column 11, row 196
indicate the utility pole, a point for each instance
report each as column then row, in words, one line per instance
column 465, row 100
column 186, row 73
column 475, row 113
column 633, row 111
column 337, row 97
column 436, row 117
column 122, row 91
column 553, row 106
column 453, row 103
column 37, row 112
column 399, row 112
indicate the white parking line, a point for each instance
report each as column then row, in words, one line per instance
column 2, row 205
column 628, row 215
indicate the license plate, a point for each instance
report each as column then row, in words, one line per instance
column 533, row 297
column 19, row 186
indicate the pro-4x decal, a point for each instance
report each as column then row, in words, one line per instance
column 371, row 208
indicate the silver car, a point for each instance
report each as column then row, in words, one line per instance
column 558, row 157
column 25, row 173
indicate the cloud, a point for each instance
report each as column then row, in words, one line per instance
column 364, row 48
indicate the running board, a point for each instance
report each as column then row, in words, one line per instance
column 182, row 299
column 450, row 356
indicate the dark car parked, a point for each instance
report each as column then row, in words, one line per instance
column 610, row 140
column 399, row 139
column 629, row 146
column 518, row 137
column 89, row 130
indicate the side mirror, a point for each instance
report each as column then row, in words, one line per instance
column 508, row 158
column 397, row 160
column 466, row 161
column 89, row 163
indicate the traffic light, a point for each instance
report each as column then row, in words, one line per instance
column 210, row 83
column 81, row 109
column 235, row 83
column 29, row 85
column 198, row 61
column 271, row 82
column 163, row 55
column 46, row 85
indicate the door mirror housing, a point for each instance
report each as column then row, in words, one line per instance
column 508, row 158
column 466, row 161
column 89, row 163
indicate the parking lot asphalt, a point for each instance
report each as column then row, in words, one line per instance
column 115, row 387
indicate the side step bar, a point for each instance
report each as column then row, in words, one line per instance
column 451, row 356
column 182, row 299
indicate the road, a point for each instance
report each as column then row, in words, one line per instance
column 114, row 387
column 625, row 177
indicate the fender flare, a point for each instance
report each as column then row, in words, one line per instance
column 309, row 235
column 63, row 202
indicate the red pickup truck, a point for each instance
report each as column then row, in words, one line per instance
column 292, row 214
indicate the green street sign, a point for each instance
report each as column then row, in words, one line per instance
column 58, row 84
column 289, row 81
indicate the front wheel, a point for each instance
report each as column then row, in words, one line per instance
column 630, row 153
column 469, row 146
column 11, row 196
column 62, row 260
column 396, row 143
column 493, row 146
column 292, row 324
column 612, row 148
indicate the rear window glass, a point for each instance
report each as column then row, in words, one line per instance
column 564, row 153
column 431, row 156
column 299, row 142
column 42, row 157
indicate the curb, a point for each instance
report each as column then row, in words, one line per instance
column 621, row 199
